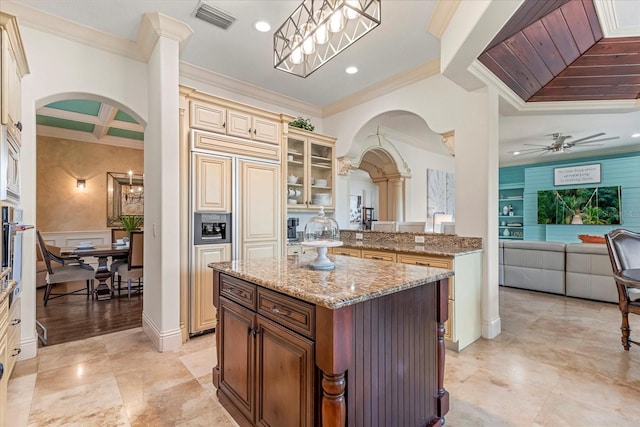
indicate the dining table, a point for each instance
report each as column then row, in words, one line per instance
column 102, row 253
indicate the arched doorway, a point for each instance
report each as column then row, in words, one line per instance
column 82, row 137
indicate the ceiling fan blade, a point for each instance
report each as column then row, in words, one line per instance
column 596, row 140
column 535, row 145
column 587, row 137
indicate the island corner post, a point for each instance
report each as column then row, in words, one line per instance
column 379, row 361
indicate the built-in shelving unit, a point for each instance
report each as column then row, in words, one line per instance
column 511, row 212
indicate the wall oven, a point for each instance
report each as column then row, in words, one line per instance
column 211, row 228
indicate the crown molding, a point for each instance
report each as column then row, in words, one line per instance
column 606, row 12
column 156, row 25
column 441, row 17
column 396, row 82
column 567, row 107
column 10, row 24
column 202, row 75
column 72, row 31
column 75, row 135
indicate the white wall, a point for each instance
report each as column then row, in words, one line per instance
column 60, row 68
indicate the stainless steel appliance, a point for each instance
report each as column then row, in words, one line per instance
column 292, row 225
column 12, row 228
column 211, row 228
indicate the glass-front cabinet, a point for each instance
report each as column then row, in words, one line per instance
column 511, row 212
column 310, row 170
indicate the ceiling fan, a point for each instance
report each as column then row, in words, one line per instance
column 561, row 144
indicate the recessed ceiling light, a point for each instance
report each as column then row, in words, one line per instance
column 515, row 153
column 351, row 70
column 262, row 26
column 635, row 135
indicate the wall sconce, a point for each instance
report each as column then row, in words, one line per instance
column 81, row 184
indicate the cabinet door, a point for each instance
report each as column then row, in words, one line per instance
column 346, row 252
column 209, row 117
column 285, row 376
column 13, row 338
column 266, row 130
column 259, row 208
column 10, row 179
column 203, row 312
column 237, row 355
column 296, row 171
column 212, row 186
column 4, row 381
column 320, row 169
column 239, row 124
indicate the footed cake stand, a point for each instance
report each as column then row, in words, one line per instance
column 322, row 262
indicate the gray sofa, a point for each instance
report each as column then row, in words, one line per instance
column 588, row 272
column 535, row 265
column 581, row 270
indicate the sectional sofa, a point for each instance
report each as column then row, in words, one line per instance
column 581, row 270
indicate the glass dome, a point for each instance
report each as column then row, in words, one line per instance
column 321, row 229
column 322, row 232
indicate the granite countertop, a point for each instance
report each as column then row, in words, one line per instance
column 448, row 249
column 352, row 281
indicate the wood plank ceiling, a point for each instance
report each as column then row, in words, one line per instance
column 555, row 51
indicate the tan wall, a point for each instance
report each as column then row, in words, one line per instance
column 60, row 205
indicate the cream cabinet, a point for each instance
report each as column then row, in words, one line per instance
column 4, row 381
column 212, row 183
column 300, row 250
column 464, row 325
column 203, row 312
column 222, row 117
column 259, row 209
column 310, row 170
column 10, row 174
column 13, row 336
column 14, row 67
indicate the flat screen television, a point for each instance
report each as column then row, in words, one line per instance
column 594, row 205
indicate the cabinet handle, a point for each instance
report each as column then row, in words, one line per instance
column 1, row 370
column 253, row 331
column 16, row 351
column 423, row 263
column 19, row 126
column 224, row 124
column 254, row 131
column 249, row 130
column 275, row 310
column 16, row 322
column 377, row 257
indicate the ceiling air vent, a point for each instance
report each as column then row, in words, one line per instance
column 214, row 16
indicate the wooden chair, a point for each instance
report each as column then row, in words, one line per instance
column 624, row 252
column 133, row 268
column 70, row 270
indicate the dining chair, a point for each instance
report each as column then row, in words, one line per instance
column 133, row 268
column 70, row 270
column 118, row 233
column 624, row 253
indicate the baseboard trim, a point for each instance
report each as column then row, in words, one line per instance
column 28, row 348
column 162, row 341
column 491, row 329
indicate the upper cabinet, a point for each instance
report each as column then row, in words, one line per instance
column 211, row 183
column 310, row 160
column 221, row 117
column 14, row 67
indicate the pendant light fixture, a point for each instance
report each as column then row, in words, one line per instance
column 320, row 29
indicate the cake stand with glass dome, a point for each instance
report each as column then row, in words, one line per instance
column 322, row 232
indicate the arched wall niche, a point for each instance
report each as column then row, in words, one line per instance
column 373, row 151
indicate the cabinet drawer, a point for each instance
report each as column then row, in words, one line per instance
column 430, row 261
column 289, row 312
column 294, row 250
column 347, row 252
column 379, row 255
column 239, row 291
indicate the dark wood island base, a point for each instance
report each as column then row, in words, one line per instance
column 285, row 361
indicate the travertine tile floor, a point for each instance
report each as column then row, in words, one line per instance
column 558, row 362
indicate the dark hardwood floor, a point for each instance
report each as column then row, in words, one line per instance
column 77, row 317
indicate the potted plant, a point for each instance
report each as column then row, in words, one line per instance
column 301, row 123
column 131, row 222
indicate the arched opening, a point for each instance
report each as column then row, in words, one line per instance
column 376, row 152
column 83, row 137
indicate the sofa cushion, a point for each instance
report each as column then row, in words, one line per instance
column 589, row 273
column 535, row 265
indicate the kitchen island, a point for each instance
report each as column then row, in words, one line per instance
column 360, row 345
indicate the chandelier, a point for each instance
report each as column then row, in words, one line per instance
column 320, row 29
